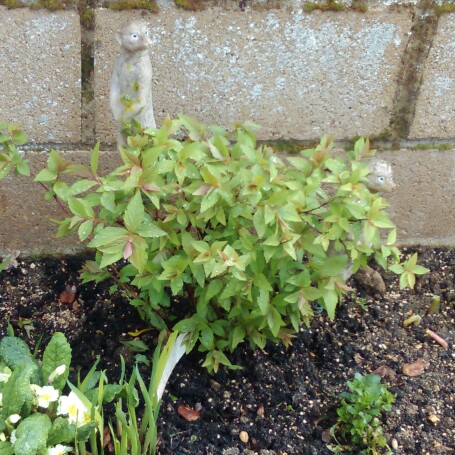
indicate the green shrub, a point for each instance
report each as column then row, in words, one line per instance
column 239, row 231
column 10, row 159
column 359, row 415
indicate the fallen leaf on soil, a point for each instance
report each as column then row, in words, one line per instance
column 385, row 372
column 188, row 414
column 415, row 368
column 358, row 359
column 68, row 295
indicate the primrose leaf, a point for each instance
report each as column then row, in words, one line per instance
column 31, row 435
column 56, row 354
column 62, row 431
column 16, row 390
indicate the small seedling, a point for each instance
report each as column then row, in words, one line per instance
column 359, row 425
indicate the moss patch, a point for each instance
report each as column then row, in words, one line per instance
column 445, row 8
column 442, row 146
column 12, row 4
column 149, row 5
column 52, row 5
column 329, row 5
column 191, row 5
column 87, row 18
column 359, row 6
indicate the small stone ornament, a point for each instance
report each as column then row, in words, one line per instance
column 131, row 81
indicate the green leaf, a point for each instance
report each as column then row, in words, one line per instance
column 195, row 129
column 334, row 265
column 62, row 431
column 45, row 175
column 56, row 354
column 107, row 236
column 94, row 158
column 85, row 229
column 14, row 352
column 330, row 298
column 213, row 289
column 80, row 207
column 259, row 223
column 139, row 254
column 238, row 335
column 289, row 213
column 274, row 321
column 134, row 213
column 22, row 168
column 6, row 448
column 150, row 230
column 81, row 186
column 16, row 390
column 31, row 435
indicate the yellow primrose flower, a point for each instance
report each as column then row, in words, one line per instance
column 72, row 406
column 46, row 394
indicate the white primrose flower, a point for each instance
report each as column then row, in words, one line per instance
column 56, row 373
column 59, row 449
column 46, row 394
column 14, row 418
column 73, row 407
column 2, row 437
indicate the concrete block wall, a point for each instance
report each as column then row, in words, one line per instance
column 299, row 69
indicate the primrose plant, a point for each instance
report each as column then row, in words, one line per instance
column 245, row 235
column 35, row 416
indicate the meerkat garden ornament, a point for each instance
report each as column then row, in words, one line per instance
column 131, row 81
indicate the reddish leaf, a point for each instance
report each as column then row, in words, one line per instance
column 188, row 414
column 127, row 250
column 68, row 295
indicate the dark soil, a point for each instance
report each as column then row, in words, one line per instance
column 283, row 398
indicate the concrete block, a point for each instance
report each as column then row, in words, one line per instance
column 25, row 217
column 435, row 109
column 298, row 75
column 422, row 205
column 40, row 73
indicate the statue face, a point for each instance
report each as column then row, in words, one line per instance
column 134, row 36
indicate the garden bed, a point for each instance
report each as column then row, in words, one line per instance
column 284, row 399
